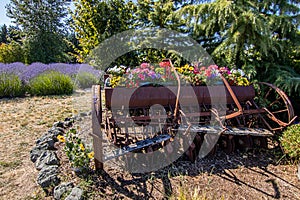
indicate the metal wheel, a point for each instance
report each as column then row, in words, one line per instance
column 228, row 143
column 279, row 111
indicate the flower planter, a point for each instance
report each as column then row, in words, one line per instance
column 147, row 96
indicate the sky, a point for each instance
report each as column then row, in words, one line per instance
column 3, row 18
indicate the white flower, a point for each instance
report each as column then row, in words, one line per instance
column 233, row 71
column 241, row 72
column 130, row 76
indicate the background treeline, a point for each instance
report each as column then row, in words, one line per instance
column 261, row 37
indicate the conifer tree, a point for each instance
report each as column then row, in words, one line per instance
column 42, row 23
column 257, row 36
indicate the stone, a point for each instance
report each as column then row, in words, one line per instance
column 46, row 139
column 46, row 158
column 83, row 114
column 59, row 130
column 54, row 132
column 48, row 176
column 68, row 119
column 36, row 152
column 68, row 124
column 58, row 124
column 62, row 189
column 76, row 194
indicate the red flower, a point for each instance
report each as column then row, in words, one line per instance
column 164, row 64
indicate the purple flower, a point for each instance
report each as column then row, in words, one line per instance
column 26, row 73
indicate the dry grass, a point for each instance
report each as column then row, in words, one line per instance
column 239, row 176
column 23, row 121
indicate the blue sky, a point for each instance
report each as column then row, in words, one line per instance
column 3, row 18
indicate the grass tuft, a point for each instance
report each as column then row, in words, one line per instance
column 51, row 83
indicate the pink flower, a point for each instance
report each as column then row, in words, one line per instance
column 224, row 70
column 213, row 67
column 141, row 76
column 145, row 65
column 207, row 72
column 202, row 68
column 196, row 70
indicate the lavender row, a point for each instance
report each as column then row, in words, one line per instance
column 26, row 73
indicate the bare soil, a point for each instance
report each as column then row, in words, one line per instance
column 256, row 174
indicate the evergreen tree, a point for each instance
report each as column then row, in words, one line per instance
column 41, row 22
column 15, row 34
column 3, row 34
column 257, row 36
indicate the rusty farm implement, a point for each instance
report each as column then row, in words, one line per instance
column 147, row 118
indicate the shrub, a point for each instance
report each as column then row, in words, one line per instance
column 51, row 83
column 85, row 80
column 10, row 85
column 290, row 141
column 12, row 52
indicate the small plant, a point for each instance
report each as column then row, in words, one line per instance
column 86, row 80
column 290, row 141
column 51, row 83
column 76, row 151
column 10, row 85
column 185, row 194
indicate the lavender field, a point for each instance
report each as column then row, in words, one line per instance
column 16, row 79
column 27, row 72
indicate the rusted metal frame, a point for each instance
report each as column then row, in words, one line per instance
column 96, row 126
column 286, row 100
column 254, row 111
column 178, row 89
column 218, row 118
column 278, row 121
column 236, row 101
column 262, row 118
column 109, row 124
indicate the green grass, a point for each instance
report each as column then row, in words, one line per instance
column 10, row 86
column 51, row 83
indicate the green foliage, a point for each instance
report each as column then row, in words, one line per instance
column 94, row 21
column 3, row 34
column 257, row 35
column 78, row 154
column 86, row 80
column 51, row 83
column 12, row 52
column 290, row 141
column 46, row 47
column 10, row 86
column 41, row 22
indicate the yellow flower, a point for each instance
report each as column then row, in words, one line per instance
column 191, row 68
column 186, row 66
column 61, row 138
column 180, row 70
column 90, row 155
column 81, row 147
